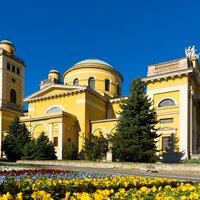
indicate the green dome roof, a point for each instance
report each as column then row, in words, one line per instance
column 93, row 61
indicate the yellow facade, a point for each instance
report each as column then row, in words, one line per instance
column 88, row 102
column 83, row 104
column 11, row 86
column 174, row 88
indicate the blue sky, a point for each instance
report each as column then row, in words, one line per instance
column 128, row 34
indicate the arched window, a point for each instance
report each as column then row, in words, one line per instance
column 13, row 96
column 166, row 102
column 118, row 89
column 54, row 109
column 91, row 82
column 107, row 85
column 76, row 81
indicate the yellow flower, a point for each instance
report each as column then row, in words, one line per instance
column 168, row 187
column 153, row 189
column 42, row 195
column 19, row 196
column 194, row 196
column 7, row 196
column 83, row 196
column 67, row 195
column 183, row 198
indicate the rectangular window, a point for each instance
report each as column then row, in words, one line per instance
column 8, row 66
column 55, row 141
column 13, row 68
column 166, row 120
column 166, row 143
column 18, row 70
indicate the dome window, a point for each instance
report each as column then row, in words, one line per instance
column 13, row 96
column 91, row 82
column 76, row 81
column 107, row 85
column 166, row 102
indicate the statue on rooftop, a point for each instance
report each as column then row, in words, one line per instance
column 190, row 53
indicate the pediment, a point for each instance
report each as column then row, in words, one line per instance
column 53, row 90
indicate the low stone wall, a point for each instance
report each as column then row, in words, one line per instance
column 134, row 166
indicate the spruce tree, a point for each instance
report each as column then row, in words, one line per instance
column 44, row 149
column 70, row 152
column 39, row 149
column 135, row 136
column 15, row 140
column 95, row 147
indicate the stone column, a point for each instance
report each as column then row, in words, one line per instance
column 51, row 132
column 191, row 122
column 194, row 137
column 1, row 135
column 60, row 141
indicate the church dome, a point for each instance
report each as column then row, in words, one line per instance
column 93, row 61
column 54, row 71
column 54, row 74
column 97, row 74
column 8, row 46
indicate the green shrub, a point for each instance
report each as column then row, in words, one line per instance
column 39, row 149
column 70, row 151
column 95, row 147
column 191, row 161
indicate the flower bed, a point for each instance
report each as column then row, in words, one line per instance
column 54, row 184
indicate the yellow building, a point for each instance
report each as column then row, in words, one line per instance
column 87, row 101
column 174, row 87
column 11, row 86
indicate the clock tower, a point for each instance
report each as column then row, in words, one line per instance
column 11, row 86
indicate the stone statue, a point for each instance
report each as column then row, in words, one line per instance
column 190, row 53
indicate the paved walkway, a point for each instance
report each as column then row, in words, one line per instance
column 180, row 175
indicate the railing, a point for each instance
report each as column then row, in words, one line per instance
column 14, row 57
column 52, row 80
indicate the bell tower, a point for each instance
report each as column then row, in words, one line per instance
column 11, row 86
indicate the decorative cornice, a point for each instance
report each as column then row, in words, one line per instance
column 169, row 62
column 105, row 67
column 173, row 74
column 115, row 100
column 59, row 86
column 96, row 94
column 47, row 116
column 63, row 94
column 52, row 96
column 13, row 57
column 104, row 120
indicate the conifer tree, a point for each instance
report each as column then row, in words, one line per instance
column 134, row 139
column 39, row 149
column 44, row 148
column 15, row 140
column 95, row 147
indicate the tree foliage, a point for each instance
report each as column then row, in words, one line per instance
column 134, row 139
column 15, row 140
column 95, row 147
column 39, row 149
column 70, row 151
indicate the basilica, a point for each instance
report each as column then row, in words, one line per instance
column 86, row 100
